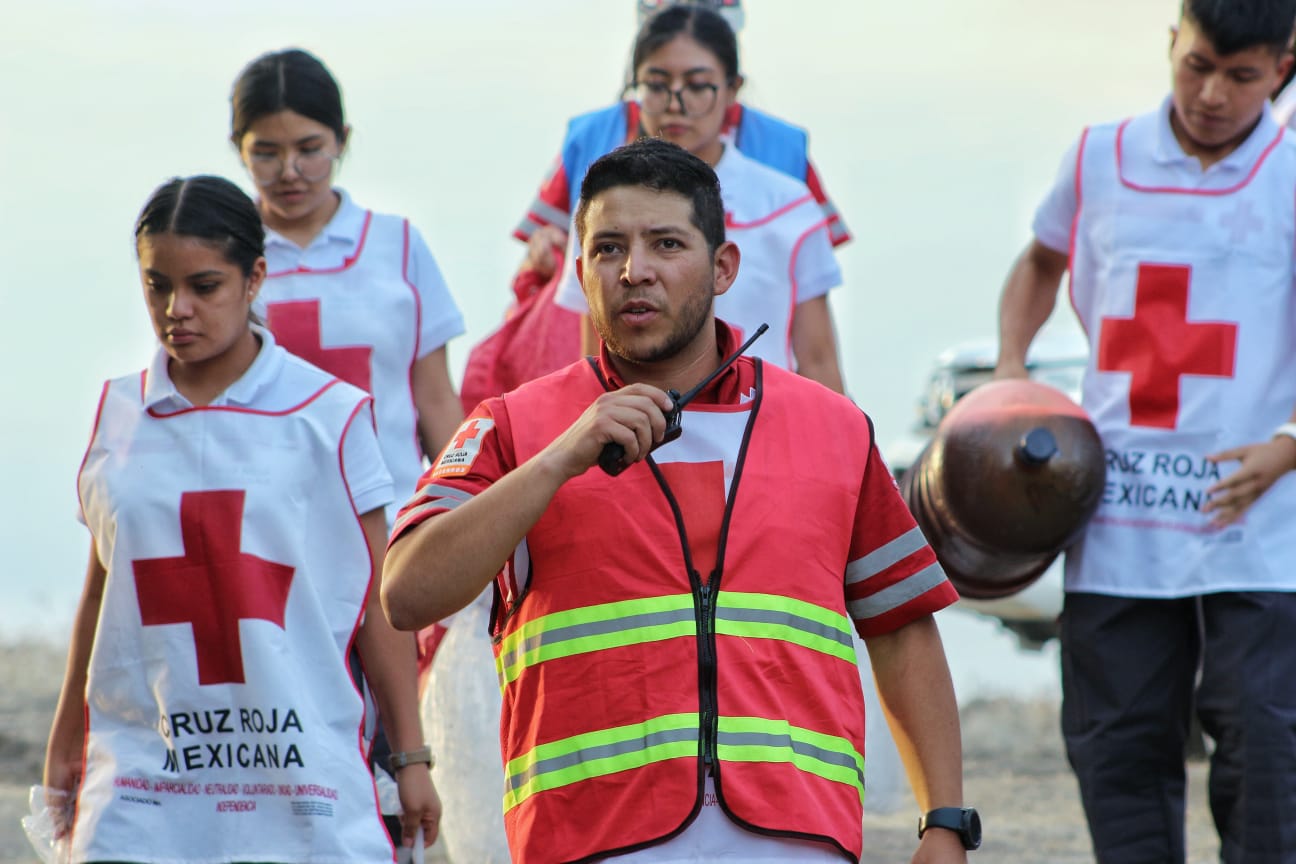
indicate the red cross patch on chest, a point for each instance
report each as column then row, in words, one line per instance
column 296, row 325
column 1159, row 345
column 214, row 585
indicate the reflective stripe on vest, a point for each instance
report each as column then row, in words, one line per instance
column 771, row 616
column 596, row 754
column 753, row 739
column 594, row 628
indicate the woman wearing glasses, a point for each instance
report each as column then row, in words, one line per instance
column 357, row 293
column 686, row 78
column 685, row 82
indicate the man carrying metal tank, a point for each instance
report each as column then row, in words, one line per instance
column 1178, row 229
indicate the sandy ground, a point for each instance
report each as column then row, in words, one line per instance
column 1015, row 772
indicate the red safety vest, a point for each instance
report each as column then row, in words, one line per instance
column 626, row 674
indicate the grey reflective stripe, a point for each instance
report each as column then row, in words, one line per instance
column 784, row 619
column 885, row 555
column 767, row 739
column 414, row 513
column 837, row 229
column 897, row 595
column 435, row 491
column 594, row 628
column 526, row 227
column 550, row 214
column 601, row 751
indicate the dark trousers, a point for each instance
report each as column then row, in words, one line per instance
column 1129, row 667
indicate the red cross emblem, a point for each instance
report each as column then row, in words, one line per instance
column 214, row 585
column 296, row 324
column 467, row 432
column 699, row 490
column 1159, row 345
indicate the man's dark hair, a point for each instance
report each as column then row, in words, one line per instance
column 1237, row 25
column 662, row 167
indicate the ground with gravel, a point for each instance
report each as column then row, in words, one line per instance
column 1015, row 771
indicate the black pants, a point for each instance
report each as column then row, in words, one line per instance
column 1128, row 672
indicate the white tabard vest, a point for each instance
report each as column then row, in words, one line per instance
column 1187, row 298
column 360, row 321
column 770, row 216
column 222, row 722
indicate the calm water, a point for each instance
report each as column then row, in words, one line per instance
column 937, row 125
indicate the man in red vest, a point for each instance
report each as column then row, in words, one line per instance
column 675, row 588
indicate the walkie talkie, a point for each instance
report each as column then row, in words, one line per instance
column 613, row 453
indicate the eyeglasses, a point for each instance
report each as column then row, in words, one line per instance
column 311, row 165
column 695, row 98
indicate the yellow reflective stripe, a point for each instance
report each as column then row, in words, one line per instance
column 755, row 739
column 599, row 753
column 594, row 628
column 771, row 616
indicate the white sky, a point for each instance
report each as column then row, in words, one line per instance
column 937, row 125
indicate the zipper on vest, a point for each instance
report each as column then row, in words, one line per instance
column 707, row 667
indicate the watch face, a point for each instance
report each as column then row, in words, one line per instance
column 971, row 828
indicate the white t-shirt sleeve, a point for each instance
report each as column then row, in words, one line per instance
column 815, row 266
column 569, row 294
column 441, row 318
column 362, row 464
column 1052, row 225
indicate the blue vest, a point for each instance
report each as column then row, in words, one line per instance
column 767, row 139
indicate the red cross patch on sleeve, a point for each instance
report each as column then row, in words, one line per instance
column 459, row 455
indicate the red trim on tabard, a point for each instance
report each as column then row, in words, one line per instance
column 1174, row 190
column 364, row 605
column 143, row 381
column 1165, row 526
column 418, row 335
column 346, row 264
column 1075, row 224
column 796, row 251
column 157, row 415
column 94, row 430
column 730, row 222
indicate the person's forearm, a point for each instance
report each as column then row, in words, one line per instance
column 389, row 656
column 917, row 695
column 67, row 731
column 814, row 344
column 444, row 562
column 1028, row 298
column 439, row 411
column 391, row 666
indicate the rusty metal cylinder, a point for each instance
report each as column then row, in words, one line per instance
column 1008, row 481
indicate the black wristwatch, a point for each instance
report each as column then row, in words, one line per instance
column 963, row 821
